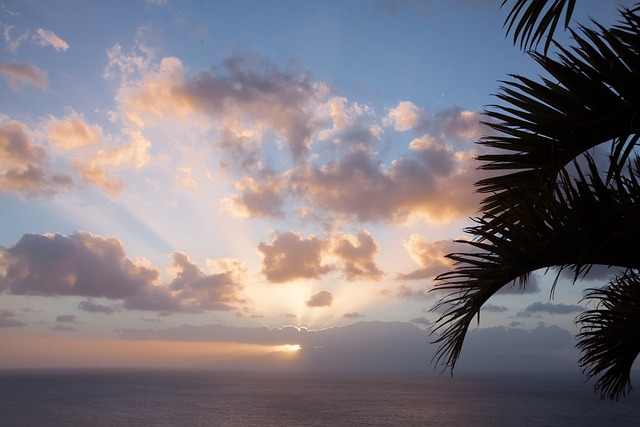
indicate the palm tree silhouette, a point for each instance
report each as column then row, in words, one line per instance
column 549, row 203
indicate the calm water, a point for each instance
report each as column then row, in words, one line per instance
column 198, row 398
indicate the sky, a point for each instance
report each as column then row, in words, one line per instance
column 251, row 183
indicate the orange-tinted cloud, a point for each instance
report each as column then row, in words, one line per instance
column 357, row 255
column 253, row 109
column 73, row 132
column 242, row 93
column 435, row 182
column 430, row 257
column 18, row 75
column 96, row 170
column 290, row 257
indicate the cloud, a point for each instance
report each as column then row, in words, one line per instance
column 502, row 339
column 12, row 45
column 254, row 112
column 63, row 328
column 514, row 288
column 540, row 307
column 454, row 125
column 18, row 75
column 24, row 165
column 126, row 66
column 357, row 255
column 323, row 298
column 135, row 153
column 73, row 132
column 81, row 264
column 253, row 89
column 66, row 318
column 96, row 267
column 336, row 110
column 200, row 291
column 352, row 179
column 405, row 116
column 377, row 345
column 352, row 315
column 595, row 273
column 290, row 257
column 157, row 2
column 8, row 319
column 434, row 183
column 421, row 321
column 409, row 293
column 494, row 308
column 258, row 199
column 184, row 177
column 49, row 38
column 430, row 256
column 241, row 93
column 91, row 307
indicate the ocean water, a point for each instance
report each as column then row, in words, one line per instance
column 217, row 398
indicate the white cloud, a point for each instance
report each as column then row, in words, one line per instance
column 405, row 116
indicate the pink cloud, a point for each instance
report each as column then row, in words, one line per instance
column 25, row 166
column 18, row 75
column 49, row 38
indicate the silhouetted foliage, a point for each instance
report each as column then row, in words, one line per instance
column 549, row 205
column 532, row 21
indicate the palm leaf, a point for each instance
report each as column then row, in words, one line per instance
column 530, row 23
column 552, row 232
column 589, row 98
column 610, row 334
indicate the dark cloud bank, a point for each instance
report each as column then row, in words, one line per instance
column 383, row 346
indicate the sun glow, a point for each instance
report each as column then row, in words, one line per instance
column 289, row 347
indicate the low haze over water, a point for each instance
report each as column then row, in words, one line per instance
column 188, row 397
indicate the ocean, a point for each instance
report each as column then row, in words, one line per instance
column 225, row 398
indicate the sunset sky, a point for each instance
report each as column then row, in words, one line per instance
column 184, row 182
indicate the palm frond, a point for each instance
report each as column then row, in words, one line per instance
column 589, row 98
column 610, row 334
column 587, row 223
column 533, row 21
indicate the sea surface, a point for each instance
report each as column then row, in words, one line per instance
column 219, row 398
